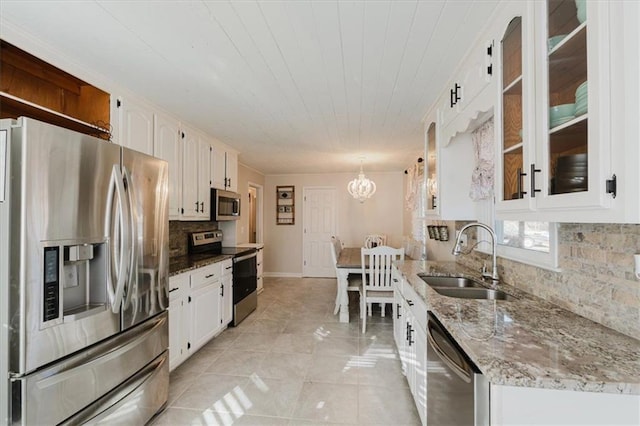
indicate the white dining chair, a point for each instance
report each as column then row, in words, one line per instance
column 376, row 279
column 354, row 282
column 374, row 240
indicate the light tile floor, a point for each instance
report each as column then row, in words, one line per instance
column 292, row 363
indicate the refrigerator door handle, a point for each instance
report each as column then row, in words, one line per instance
column 118, row 254
column 131, row 286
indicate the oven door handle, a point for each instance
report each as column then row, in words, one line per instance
column 245, row 257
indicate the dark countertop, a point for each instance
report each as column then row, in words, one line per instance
column 180, row 264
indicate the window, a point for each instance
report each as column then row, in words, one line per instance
column 525, row 235
column 534, row 243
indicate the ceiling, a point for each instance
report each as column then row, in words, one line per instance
column 294, row 86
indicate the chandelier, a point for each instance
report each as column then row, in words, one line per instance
column 361, row 188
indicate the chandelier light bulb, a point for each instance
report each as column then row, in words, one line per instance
column 362, row 187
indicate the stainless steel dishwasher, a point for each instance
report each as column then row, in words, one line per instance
column 457, row 393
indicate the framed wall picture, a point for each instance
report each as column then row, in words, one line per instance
column 285, row 205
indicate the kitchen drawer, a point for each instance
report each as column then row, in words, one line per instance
column 227, row 267
column 178, row 284
column 397, row 278
column 206, row 275
column 416, row 305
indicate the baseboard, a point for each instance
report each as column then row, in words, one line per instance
column 282, row 274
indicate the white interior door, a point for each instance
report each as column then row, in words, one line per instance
column 319, row 224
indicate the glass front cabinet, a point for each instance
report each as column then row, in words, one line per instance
column 552, row 119
column 431, row 169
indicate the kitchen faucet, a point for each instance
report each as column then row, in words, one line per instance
column 494, row 245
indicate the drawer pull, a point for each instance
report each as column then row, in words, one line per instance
column 174, row 289
column 209, row 276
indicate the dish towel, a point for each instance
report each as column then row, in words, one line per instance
column 482, row 178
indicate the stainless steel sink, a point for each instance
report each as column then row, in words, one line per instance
column 463, row 288
column 473, row 293
column 455, row 282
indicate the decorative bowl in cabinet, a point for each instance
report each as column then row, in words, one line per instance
column 581, row 10
column 553, row 41
column 560, row 114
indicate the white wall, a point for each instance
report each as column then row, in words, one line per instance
column 380, row 214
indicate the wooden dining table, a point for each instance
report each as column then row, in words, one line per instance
column 349, row 262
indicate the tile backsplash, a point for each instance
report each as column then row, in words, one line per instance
column 596, row 279
column 179, row 233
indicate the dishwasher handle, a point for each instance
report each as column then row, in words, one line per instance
column 457, row 367
column 245, row 257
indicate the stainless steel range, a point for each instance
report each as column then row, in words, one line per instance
column 245, row 270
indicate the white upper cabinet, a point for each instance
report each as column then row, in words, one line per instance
column 218, row 172
column 224, row 168
column 431, row 164
column 469, row 99
column 448, row 169
column 232, row 171
column 204, row 176
column 196, row 172
column 561, row 75
column 514, row 119
column 135, row 125
column 168, row 146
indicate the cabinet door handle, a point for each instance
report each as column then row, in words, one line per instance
column 533, row 180
column 202, row 206
column 519, row 185
column 457, row 97
column 410, row 338
column 451, row 101
column 197, row 207
column 222, row 290
column 409, row 302
column 398, row 311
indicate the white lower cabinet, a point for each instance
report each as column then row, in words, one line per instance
column 260, row 268
column 511, row 405
column 204, row 303
column 409, row 330
column 200, row 308
column 226, row 294
column 178, row 319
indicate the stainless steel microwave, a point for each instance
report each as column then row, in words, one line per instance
column 225, row 205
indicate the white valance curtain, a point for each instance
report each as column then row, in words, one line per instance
column 482, row 179
column 414, row 198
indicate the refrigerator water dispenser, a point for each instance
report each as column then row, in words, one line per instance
column 84, row 280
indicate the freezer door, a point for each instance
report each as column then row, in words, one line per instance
column 65, row 389
column 146, row 184
column 134, row 402
column 60, row 184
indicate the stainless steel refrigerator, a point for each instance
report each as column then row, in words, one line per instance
column 83, row 278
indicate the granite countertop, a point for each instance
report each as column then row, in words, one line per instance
column 529, row 341
column 180, row 264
